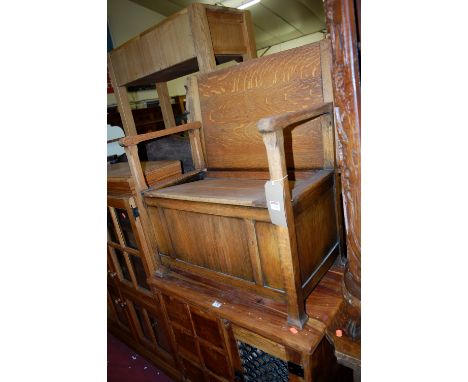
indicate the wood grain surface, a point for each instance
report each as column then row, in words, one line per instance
column 232, row 100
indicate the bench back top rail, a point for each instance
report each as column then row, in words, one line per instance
column 234, row 99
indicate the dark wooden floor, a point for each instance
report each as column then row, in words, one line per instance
column 123, row 364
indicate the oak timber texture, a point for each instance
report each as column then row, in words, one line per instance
column 232, row 101
column 219, row 226
column 165, row 104
column 205, row 335
column 119, row 177
column 183, row 43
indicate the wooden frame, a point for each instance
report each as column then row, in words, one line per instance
column 245, row 317
column 189, row 40
column 128, row 252
column 282, row 274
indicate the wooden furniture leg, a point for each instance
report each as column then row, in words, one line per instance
column 249, row 39
column 123, row 104
column 165, row 104
column 201, row 37
column 274, row 143
column 140, row 185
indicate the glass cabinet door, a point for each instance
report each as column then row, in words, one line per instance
column 124, row 239
column 151, row 326
column 118, row 307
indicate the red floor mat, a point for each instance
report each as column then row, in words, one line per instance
column 124, row 365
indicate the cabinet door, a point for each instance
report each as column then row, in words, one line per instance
column 151, row 326
column 200, row 341
column 126, row 245
column 118, row 309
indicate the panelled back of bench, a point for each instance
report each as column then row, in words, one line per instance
column 232, row 100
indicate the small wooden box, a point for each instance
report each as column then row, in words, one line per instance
column 119, row 177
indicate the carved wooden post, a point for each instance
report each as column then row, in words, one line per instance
column 342, row 27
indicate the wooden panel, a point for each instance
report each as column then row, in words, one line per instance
column 119, row 177
column 192, row 372
column 126, row 61
column 206, row 241
column 243, row 285
column 269, row 255
column 243, row 212
column 206, row 327
column 316, row 233
column 185, row 343
column 243, row 192
column 226, row 32
column 159, row 328
column 169, row 43
column 215, row 361
column 262, row 72
column 177, row 312
column 260, row 342
column 233, row 100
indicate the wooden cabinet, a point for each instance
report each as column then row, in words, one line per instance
column 220, row 334
column 125, row 243
column 149, row 325
column 200, row 341
column 133, row 313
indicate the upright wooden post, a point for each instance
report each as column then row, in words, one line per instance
column 193, row 106
column 123, row 104
column 165, row 104
column 249, row 37
column 141, row 185
column 342, row 27
column 274, row 144
column 201, row 37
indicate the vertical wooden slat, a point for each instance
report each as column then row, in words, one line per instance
column 123, row 103
column 231, row 347
column 328, row 141
column 165, row 104
column 145, row 251
column 296, row 358
column 326, row 65
column 249, row 36
column 140, row 185
column 135, row 168
column 327, row 90
column 193, row 106
column 287, row 242
column 253, row 252
column 201, row 37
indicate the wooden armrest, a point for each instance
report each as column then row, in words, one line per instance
column 135, row 139
column 281, row 121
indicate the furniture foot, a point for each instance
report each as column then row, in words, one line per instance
column 298, row 322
